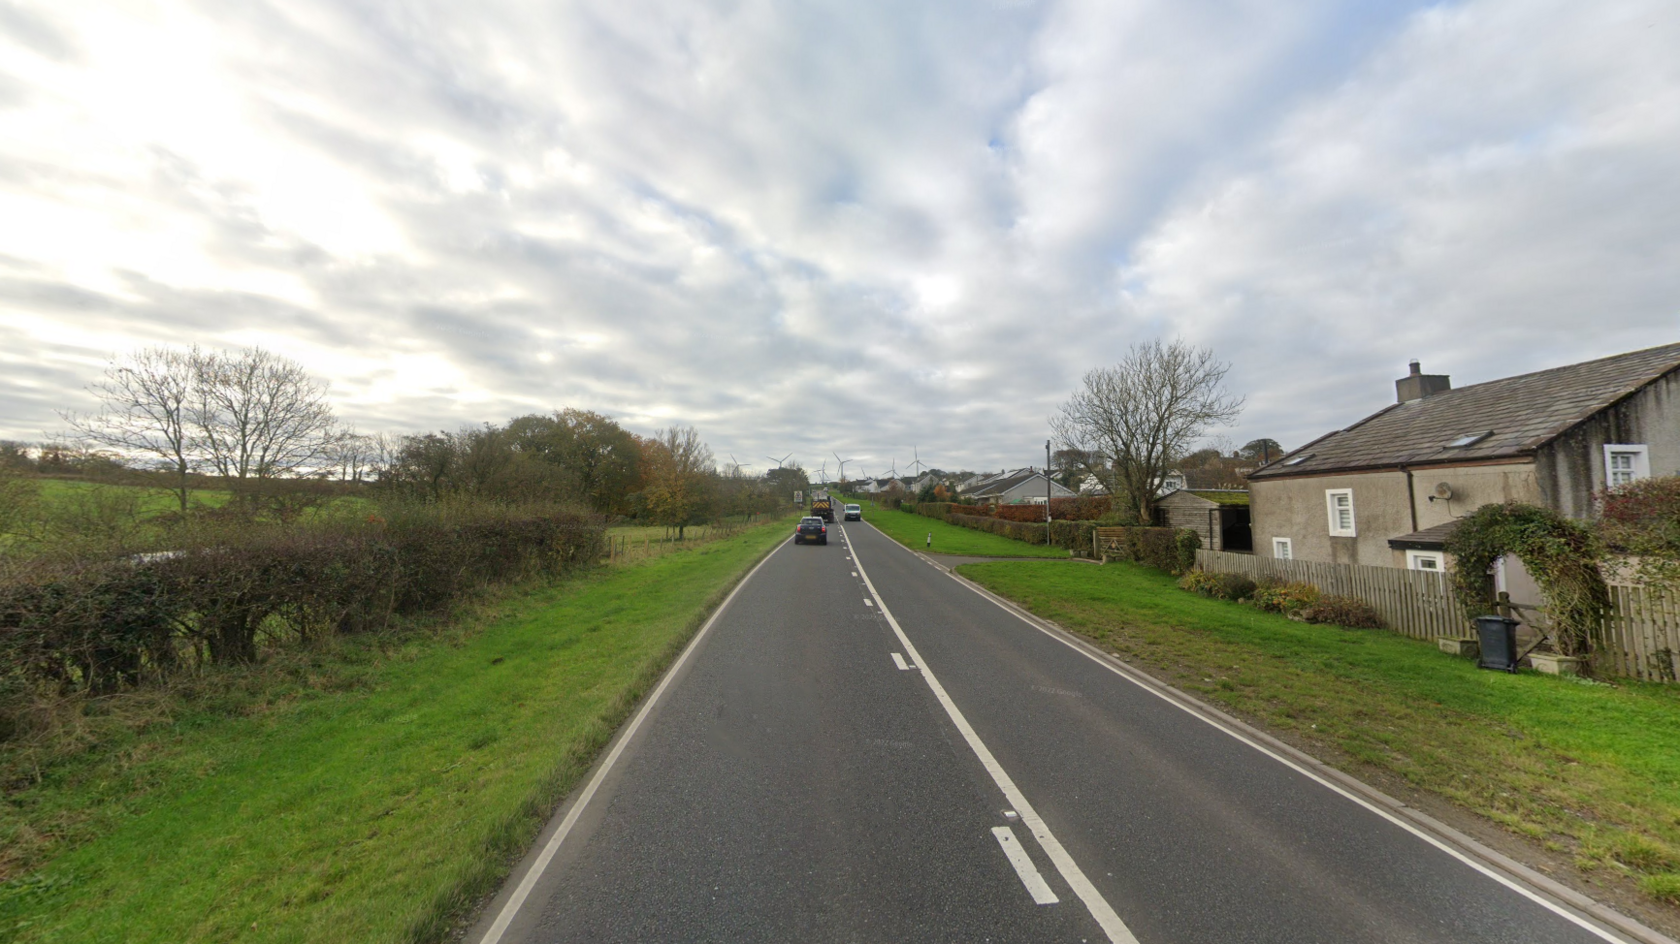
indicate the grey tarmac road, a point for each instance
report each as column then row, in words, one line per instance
column 792, row 783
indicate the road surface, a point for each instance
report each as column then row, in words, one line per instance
column 861, row 748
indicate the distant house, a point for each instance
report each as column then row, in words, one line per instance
column 1022, row 486
column 1220, row 516
column 1389, row 489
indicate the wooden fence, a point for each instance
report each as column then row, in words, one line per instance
column 1640, row 639
column 1417, row 603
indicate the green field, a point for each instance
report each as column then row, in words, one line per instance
column 1587, row 769
column 369, row 790
column 912, row 530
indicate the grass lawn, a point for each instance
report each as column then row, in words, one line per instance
column 912, row 530
column 366, row 792
column 1588, row 770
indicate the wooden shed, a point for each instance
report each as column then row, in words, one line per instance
column 1219, row 515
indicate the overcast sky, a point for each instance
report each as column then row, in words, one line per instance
column 849, row 226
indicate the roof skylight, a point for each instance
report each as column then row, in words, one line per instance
column 1469, row 439
column 1298, row 459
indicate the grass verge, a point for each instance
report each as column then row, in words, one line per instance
column 1589, row 771
column 911, row 530
column 368, row 793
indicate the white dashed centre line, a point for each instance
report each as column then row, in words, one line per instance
column 898, row 660
column 1070, row 871
column 1037, row 887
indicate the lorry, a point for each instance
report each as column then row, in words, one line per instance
column 822, row 506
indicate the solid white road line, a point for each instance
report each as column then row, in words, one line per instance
column 1214, row 722
column 494, row 935
column 898, row 660
column 1105, row 917
column 1037, row 887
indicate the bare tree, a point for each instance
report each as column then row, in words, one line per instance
column 148, row 399
column 1130, row 422
column 355, row 454
column 261, row 415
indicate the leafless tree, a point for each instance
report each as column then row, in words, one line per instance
column 1130, row 422
column 356, row 455
column 261, row 415
column 147, row 408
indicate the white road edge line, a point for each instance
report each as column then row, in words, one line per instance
column 1037, row 887
column 898, row 660
column 523, row 891
column 1519, row 888
column 1105, row 917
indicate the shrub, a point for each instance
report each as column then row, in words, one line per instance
column 1158, row 547
column 1344, row 611
column 1236, row 587
column 1218, row 586
column 1284, row 597
column 225, row 593
column 1188, row 542
column 1201, row 582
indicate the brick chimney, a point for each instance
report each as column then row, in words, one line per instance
column 1417, row 384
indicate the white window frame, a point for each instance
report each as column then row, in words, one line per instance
column 1641, row 462
column 1282, row 549
column 1415, row 558
column 1336, row 530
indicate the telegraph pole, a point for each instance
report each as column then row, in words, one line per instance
column 1048, row 487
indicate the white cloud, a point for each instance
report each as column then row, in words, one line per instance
column 843, row 226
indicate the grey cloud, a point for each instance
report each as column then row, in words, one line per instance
column 732, row 216
column 35, row 32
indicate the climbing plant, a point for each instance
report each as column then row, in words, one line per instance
column 1562, row 555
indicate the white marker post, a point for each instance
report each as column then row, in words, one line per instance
column 930, row 540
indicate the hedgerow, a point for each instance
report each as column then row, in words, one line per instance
column 226, row 594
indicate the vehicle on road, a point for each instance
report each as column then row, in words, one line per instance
column 822, row 506
column 811, row 530
column 854, row 513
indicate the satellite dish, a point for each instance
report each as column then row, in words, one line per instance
column 1443, row 491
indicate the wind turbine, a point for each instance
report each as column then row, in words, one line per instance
column 778, row 461
column 918, row 465
column 842, row 466
column 822, row 473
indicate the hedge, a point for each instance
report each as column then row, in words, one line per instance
column 1170, row 549
column 98, row 625
column 1061, row 509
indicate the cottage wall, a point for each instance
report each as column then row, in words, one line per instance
column 1571, row 468
column 1297, row 509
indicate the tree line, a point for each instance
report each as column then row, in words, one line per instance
column 257, row 423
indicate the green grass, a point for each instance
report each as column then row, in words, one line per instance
column 368, row 793
column 149, row 500
column 911, row 530
column 1586, row 768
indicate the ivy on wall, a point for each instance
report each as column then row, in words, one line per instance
column 1561, row 554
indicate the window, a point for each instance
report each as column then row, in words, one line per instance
column 1280, row 549
column 1340, row 502
column 1469, row 439
column 1624, row 464
column 1299, row 459
column 1425, row 560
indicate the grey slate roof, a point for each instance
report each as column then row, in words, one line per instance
column 1520, row 413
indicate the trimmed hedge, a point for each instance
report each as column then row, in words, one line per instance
column 1061, row 509
column 1170, row 549
column 96, row 626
